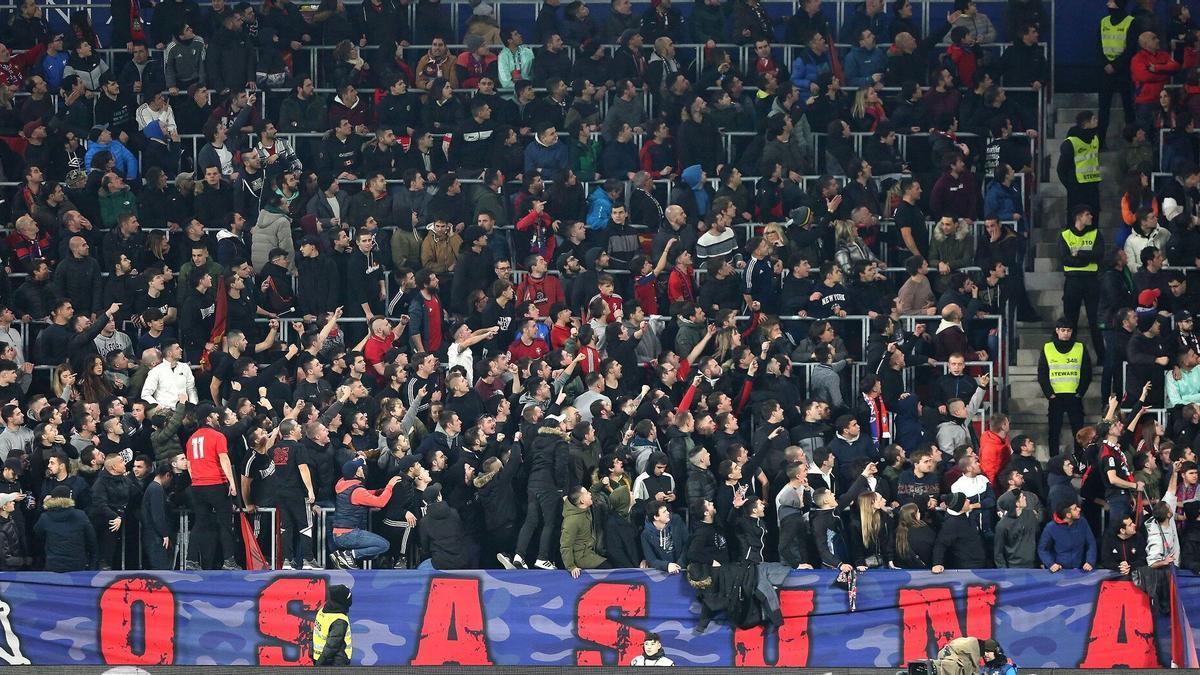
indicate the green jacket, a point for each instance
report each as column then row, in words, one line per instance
column 165, row 439
column 578, row 542
column 113, row 204
column 296, row 116
column 709, row 23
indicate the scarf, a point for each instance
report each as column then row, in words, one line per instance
column 878, row 420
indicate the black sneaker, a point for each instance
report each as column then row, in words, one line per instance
column 231, row 565
column 190, row 566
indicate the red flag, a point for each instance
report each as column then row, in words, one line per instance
column 835, row 60
column 255, row 560
column 220, row 315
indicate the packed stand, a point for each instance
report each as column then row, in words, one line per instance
column 514, row 306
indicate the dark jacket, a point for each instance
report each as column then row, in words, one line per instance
column 1115, row 550
column 14, row 554
column 444, row 538
column 549, row 461
column 68, row 535
column 113, row 495
column 959, row 545
column 1015, row 544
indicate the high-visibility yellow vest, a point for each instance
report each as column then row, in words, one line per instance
column 1064, row 368
column 1087, row 159
column 1080, row 242
column 1112, row 36
column 321, row 628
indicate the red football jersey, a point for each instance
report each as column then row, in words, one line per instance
column 204, row 450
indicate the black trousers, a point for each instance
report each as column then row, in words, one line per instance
column 1111, row 381
column 1069, row 405
column 295, row 528
column 212, row 508
column 107, row 541
column 155, row 557
column 1082, row 291
column 544, row 509
column 1117, row 83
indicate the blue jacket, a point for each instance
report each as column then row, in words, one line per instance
column 599, row 209
column 551, row 161
column 1001, row 202
column 861, row 64
column 1068, row 545
column 806, row 68
column 127, row 164
column 667, row 546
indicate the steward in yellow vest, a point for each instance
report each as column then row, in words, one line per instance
column 1118, row 44
column 1079, row 163
column 332, row 645
column 1064, row 373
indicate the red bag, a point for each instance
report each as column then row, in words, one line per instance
column 255, row 560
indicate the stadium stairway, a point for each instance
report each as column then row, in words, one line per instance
column 1027, row 406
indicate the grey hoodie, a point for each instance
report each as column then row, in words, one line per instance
column 1015, row 544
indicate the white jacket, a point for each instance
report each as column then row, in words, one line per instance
column 166, row 381
column 1137, row 241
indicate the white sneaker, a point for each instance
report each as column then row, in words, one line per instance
column 310, row 564
column 508, row 564
column 544, row 564
column 519, row 562
column 287, row 565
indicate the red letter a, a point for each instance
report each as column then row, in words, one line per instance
column 1122, row 633
column 452, row 627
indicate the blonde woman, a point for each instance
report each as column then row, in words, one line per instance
column 867, row 111
column 62, row 381
column 871, row 541
column 775, row 237
column 850, row 247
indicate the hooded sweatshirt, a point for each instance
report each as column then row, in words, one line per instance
column 1016, row 535
column 691, row 176
column 1067, row 544
column 665, row 546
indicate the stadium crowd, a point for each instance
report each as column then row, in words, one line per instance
column 396, row 313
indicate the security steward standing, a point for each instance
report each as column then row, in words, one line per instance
column 331, row 629
column 1081, row 249
column 1115, row 51
column 1079, row 163
column 1064, row 373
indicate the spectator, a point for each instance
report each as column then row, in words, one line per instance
column 1067, row 542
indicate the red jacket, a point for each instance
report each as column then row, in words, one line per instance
column 544, row 293
column 965, row 61
column 1147, row 85
column 681, row 287
column 994, row 454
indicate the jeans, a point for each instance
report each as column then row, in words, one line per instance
column 361, row 544
column 1119, row 506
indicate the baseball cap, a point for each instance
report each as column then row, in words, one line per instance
column 8, row 498
column 1149, row 297
column 349, row 469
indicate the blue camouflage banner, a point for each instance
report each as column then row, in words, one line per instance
column 1069, row 619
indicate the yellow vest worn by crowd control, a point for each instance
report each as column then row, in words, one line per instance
column 1087, row 159
column 1113, row 36
column 321, row 626
column 1064, row 368
column 1080, row 242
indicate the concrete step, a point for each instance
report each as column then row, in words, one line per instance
column 1047, row 280
column 1045, row 265
column 1077, row 100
